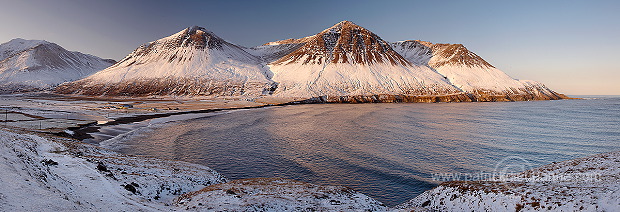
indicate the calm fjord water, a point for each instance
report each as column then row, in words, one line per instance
column 387, row 151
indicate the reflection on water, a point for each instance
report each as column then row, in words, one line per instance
column 387, row 151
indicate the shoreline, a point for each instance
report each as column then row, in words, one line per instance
column 135, row 183
column 82, row 132
column 445, row 188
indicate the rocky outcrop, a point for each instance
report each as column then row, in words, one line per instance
column 276, row 194
column 166, row 87
column 385, row 98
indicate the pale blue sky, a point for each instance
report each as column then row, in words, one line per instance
column 571, row 46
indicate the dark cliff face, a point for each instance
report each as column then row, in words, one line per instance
column 457, row 54
column 344, row 42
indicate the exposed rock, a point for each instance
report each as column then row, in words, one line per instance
column 344, row 42
column 276, row 194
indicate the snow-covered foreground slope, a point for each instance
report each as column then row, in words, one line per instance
column 275, row 194
column 38, row 174
column 585, row 184
column 57, row 174
column 470, row 73
column 193, row 61
column 36, row 64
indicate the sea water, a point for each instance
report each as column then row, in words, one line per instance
column 391, row 152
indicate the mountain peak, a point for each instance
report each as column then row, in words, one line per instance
column 18, row 45
column 22, row 44
column 344, row 24
column 344, row 42
column 181, row 47
column 193, row 29
column 194, row 36
column 21, row 41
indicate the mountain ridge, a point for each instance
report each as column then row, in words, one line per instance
column 343, row 63
column 471, row 73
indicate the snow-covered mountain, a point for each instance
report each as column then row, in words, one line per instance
column 344, row 63
column 470, row 73
column 348, row 60
column 193, row 61
column 36, row 64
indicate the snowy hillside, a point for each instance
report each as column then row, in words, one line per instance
column 48, row 173
column 348, row 60
column 584, row 184
column 57, row 174
column 193, row 61
column 36, row 64
column 276, row 194
column 469, row 72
